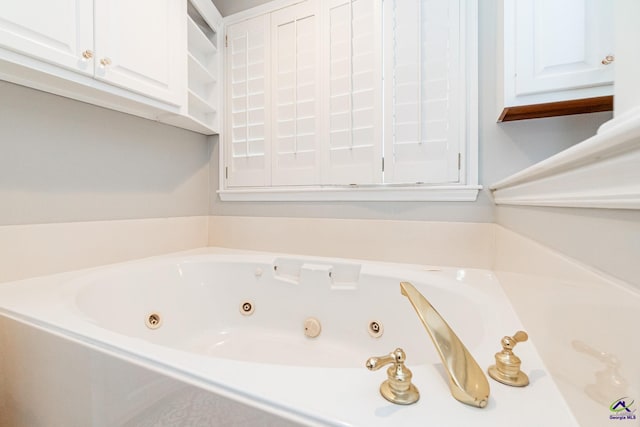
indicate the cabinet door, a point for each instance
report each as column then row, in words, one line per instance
column 55, row 31
column 560, row 45
column 141, row 46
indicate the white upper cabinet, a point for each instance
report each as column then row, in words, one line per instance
column 139, row 46
column 561, row 45
column 56, row 31
column 557, row 50
column 130, row 56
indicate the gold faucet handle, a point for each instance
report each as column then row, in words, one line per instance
column 520, row 336
column 397, row 388
column 508, row 343
column 397, row 356
column 507, row 367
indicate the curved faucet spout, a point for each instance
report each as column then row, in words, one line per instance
column 467, row 380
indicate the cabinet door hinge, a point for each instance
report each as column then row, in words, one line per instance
column 226, row 172
column 459, row 161
column 226, row 41
column 383, row 164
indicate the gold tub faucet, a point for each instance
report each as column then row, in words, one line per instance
column 467, row 380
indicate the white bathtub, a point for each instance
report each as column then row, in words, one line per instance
column 264, row 360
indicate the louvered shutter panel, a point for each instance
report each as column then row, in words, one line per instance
column 424, row 112
column 295, row 95
column 247, row 136
column 354, row 92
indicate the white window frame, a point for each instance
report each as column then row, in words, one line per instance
column 466, row 190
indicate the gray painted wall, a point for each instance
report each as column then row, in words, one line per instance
column 63, row 160
column 607, row 240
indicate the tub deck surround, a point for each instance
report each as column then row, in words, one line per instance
column 581, row 317
column 31, row 250
column 264, row 360
column 589, row 353
column 468, row 244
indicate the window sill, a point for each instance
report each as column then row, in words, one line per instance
column 417, row 193
column 601, row 172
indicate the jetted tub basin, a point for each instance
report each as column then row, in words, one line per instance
column 290, row 335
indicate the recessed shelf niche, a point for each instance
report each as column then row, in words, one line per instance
column 203, row 64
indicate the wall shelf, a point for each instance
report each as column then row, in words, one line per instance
column 601, row 172
column 200, row 104
column 199, row 44
column 199, row 71
column 203, row 65
column 554, row 109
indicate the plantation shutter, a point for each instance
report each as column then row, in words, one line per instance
column 354, row 94
column 424, row 114
column 248, row 145
column 295, row 95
